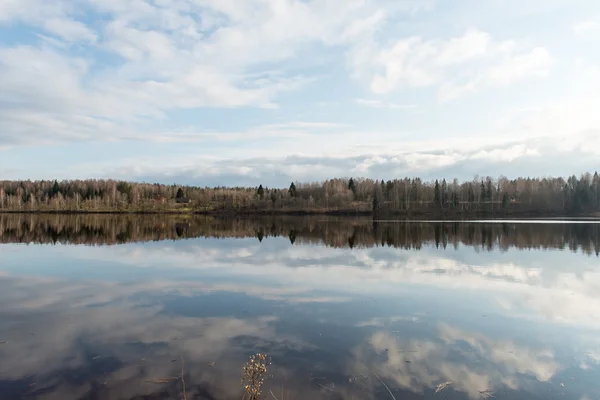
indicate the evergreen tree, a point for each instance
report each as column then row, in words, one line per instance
column 261, row 192
column 292, row 190
column 437, row 198
column 596, row 186
column 483, row 193
column 505, row 200
column 55, row 189
column 352, row 186
column 180, row 194
column 389, row 188
column 444, row 193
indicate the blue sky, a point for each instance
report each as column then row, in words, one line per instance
column 229, row 92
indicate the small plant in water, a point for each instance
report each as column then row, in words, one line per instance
column 253, row 376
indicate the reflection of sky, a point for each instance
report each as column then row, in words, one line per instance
column 519, row 321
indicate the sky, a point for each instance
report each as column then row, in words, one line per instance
column 230, row 92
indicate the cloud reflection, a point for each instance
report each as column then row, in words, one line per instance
column 76, row 317
column 473, row 362
column 54, row 328
column 561, row 287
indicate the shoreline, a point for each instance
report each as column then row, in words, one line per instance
column 377, row 216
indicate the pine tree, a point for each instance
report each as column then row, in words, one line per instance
column 352, row 186
column 596, row 186
column 292, row 190
column 55, row 189
column 180, row 194
column 261, row 192
column 483, row 193
column 444, row 193
column 437, row 198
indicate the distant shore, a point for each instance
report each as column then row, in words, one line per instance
column 413, row 214
column 406, row 198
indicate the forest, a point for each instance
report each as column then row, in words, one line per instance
column 408, row 196
column 339, row 232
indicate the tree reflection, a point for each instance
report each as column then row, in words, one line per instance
column 333, row 232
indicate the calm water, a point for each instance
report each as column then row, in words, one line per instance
column 105, row 307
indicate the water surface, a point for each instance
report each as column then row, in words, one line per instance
column 107, row 307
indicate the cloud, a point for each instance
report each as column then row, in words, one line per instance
column 69, row 30
column 52, row 17
column 259, row 90
column 506, row 154
column 327, row 151
column 535, row 64
column 46, row 99
column 161, row 59
column 381, row 104
column 588, row 28
column 451, row 64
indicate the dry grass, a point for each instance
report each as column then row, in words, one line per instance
column 182, row 379
column 253, row 376
column 255, row 372
column 386, row 386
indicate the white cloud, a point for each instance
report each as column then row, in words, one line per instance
column 170, row 59
column 506, row 155
column 472, row 45
column 535, row 64
column 53, row 17
column 382, row 104
column 53, row 97
column 307, row 125
column 588, row 28
column 459, row 65
column 69, row 30
column 316, row 150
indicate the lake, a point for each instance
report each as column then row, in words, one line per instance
column 124, row 307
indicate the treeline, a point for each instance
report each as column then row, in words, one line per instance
column 410, row 196
column 343, row 232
